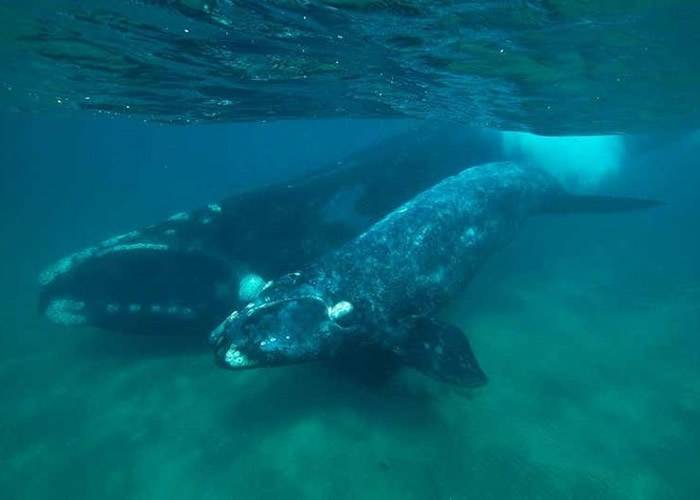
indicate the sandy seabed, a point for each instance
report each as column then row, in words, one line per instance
column 594, row 393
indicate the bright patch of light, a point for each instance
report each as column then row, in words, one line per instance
column 577, row 161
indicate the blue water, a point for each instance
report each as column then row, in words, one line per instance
column 550, row 66
column 586, row 325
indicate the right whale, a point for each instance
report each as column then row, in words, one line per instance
column 382, row 290
column 182, row 277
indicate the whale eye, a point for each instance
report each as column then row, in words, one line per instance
column 340, row 311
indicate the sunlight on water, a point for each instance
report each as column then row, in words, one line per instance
column 577, row 161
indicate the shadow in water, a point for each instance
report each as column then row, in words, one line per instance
column 101, row 344
column 284, row 397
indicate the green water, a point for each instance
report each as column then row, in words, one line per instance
column 586, row 326
column 594, row 393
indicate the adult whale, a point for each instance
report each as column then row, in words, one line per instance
column 184, row 275
column 382, row 290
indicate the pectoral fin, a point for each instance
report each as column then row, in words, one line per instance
column 442, row 351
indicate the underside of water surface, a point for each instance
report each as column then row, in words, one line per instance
column 546, row 66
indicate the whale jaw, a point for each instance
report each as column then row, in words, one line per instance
column 148, row 289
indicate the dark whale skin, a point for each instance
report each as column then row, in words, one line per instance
column 383, row 288
column 181, row 277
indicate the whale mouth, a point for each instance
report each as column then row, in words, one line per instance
column 147, row 289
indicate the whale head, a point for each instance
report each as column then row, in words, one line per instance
column 289, row 322
column 141, row 287
column 177, row 277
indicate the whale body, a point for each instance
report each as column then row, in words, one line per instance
column 383, row 289
column 184, row 275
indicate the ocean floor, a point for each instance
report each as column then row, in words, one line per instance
column 594, row 393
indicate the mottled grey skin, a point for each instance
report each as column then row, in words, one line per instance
column 382, row 289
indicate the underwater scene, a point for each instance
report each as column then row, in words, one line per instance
column 349, row 249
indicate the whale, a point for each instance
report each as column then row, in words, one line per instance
column 383, row 290
column 182, row 276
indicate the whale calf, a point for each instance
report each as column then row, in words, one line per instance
column 383, row 289
column 184, row 275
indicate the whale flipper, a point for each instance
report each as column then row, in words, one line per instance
column 442, row 351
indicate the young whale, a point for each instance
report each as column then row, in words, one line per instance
column 383, row 289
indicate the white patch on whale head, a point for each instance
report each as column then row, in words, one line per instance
column 66, row 312
column 132, row 247
column 108, row 246
column 236, row 358
column 180, row 216
column 64, row 265
column 118, row 239
column 340, row 310
column 249, row 287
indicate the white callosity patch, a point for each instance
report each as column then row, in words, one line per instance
column 183, row 312
column 340, row 310
column 132, row 247
column 245, row 289
column 269, row 342
column 64, row 265
column 172, row 310
column 180, row 216
column 66, row 312
column 250, row 286
column 235, row 358
column 213, row 209
column 107, row 247
column 118, row 239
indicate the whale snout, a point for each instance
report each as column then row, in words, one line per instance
column 271, row 334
